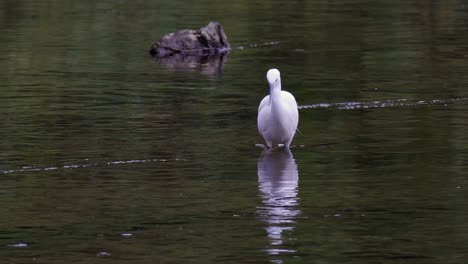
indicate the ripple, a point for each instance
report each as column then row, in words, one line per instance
column 67, row 165
column 18, row 245
column 383, row 104
column 103, row 254
column 258, row 45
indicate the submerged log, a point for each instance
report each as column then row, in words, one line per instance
column 210, row 39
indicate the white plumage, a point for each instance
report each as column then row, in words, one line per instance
column 277, row 114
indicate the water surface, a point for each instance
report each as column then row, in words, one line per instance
column 110, row 156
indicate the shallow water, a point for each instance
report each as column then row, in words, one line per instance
column 110, row 156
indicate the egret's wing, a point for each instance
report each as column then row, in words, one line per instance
column 288, row 98
column 293, row 112
column 264, row 102
column 263, row 119
column 292, row 105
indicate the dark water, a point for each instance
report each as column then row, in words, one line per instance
column 109, row 156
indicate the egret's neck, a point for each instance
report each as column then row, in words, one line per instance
column 275, row 92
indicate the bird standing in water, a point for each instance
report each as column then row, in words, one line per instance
column 277, row 114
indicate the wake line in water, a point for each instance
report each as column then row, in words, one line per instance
column 257, row 45
column 84, row 165
column 383, row 104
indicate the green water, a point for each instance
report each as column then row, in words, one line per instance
column 110, row 156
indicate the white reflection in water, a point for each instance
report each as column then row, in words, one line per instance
column 278, row 184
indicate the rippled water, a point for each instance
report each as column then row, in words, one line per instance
column 111, row 156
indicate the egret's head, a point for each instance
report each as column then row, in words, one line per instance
column 273, row 76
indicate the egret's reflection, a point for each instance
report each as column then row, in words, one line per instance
column 278, row 184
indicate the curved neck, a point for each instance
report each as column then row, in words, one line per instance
column 275, row 91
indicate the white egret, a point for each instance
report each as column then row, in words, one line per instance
column 277, row 114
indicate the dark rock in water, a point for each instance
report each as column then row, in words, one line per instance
column 207, row 40
column 204, row 50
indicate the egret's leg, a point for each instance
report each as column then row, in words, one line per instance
column 278, row 147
